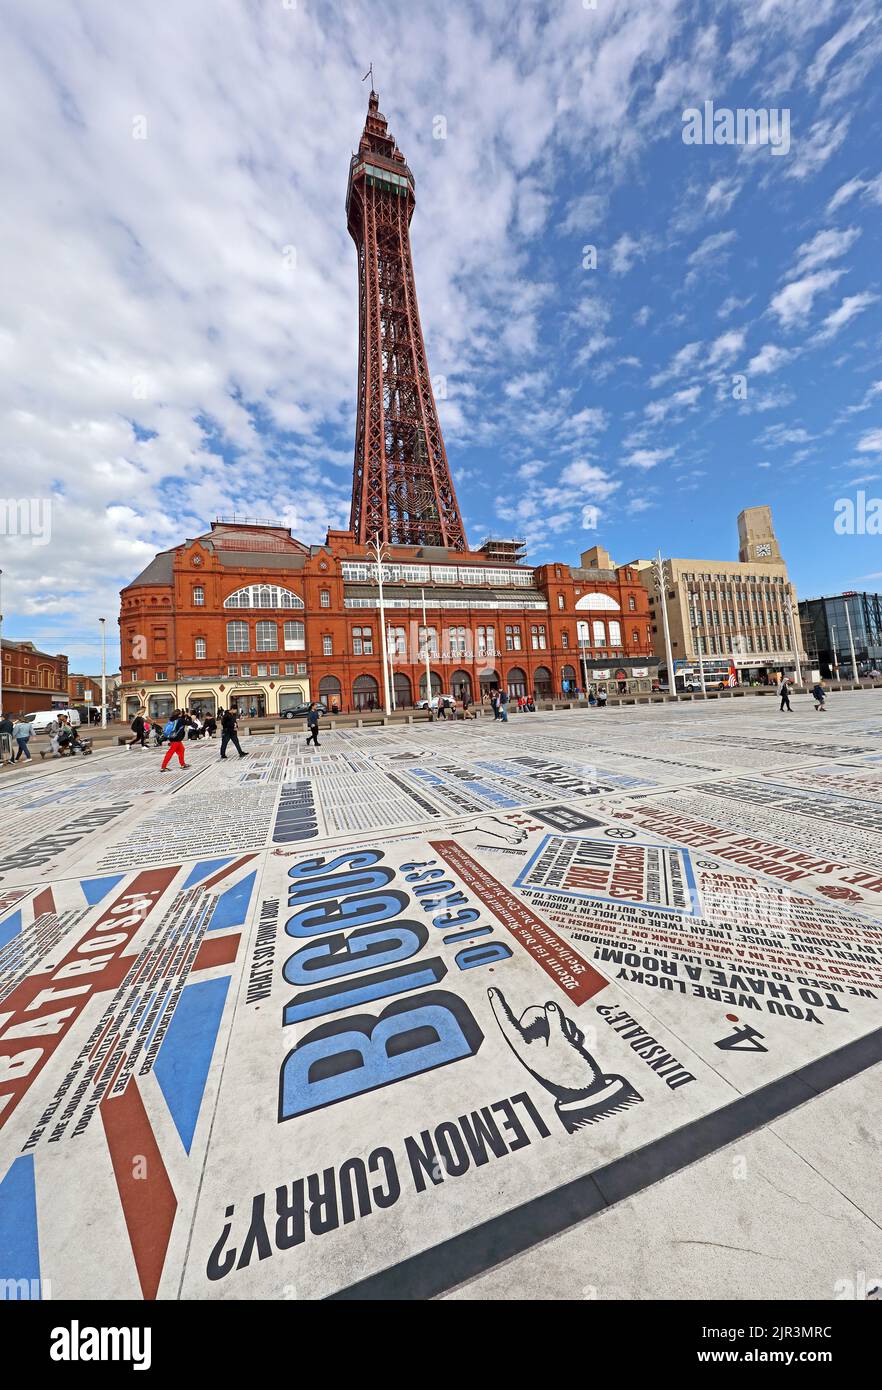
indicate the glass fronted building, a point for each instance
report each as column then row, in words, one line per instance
column 828, row 642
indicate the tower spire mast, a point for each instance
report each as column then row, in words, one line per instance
column 402, row 490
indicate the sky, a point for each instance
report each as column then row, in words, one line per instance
column 631, row 337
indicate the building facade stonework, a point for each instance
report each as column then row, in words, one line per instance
column 32, row 680
column 249, row 617
column 721, row 613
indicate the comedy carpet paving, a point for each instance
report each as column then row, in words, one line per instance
column 375, row 1019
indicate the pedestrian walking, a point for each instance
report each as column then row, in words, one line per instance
column 174, row 731
column 229, row 735
column 784, row 692
column 820, row 696
column 503, row 702
column 6, row 728
column 139, row 731
column 21, row 732
column 312, row 721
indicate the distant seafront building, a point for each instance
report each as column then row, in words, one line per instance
column 830, row 625
column 32, row 680
column 246, row 615
column 744, row 611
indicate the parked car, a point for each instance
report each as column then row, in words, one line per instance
column 301, row 711
column 43, row 719
column 433, row 703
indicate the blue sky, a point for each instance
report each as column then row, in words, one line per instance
column 178, row 307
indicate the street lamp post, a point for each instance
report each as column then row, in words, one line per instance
column 581, row 631
column 835, row 656
column 103, row 622
column 426, row 652
column 788, row 606
column 658, row 569
column 854, row 669
column 379, row 553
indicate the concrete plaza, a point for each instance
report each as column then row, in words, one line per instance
column 584, row 1005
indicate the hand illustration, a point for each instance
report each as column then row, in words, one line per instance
column 552, row 1048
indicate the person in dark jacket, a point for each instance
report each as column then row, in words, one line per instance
column 820, row 696
column 312, row 721
column 138, row 730
column 228, row 733
column 6, row 727
column 784, row 692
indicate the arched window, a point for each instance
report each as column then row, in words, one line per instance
column 601, row 602
column 436, row 686
column 517, row 682
column 238, row 639
column 615, row 633
column 266, row 637
column 542, row 683
column 599, row 634
column 330, row 689
column 396, row 638
column 263, row 596
column 365, row 693
column 403, row 691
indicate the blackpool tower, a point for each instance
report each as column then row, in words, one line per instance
column 401, row 484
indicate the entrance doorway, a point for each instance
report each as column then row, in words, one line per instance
column 251, row 704
column 517, row 683
column 365, row 693
column 403, row 691
column 542, row 681
column 461, row 686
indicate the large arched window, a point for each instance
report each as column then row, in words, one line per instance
column 266, row 637
column 601, row 602
column 365, row 693
column 263, row 596
column 237, row 637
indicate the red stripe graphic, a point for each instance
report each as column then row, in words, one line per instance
column 148, row 1201
column 570, row 972
column 46, row 1006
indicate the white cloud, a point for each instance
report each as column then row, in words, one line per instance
column 870, row 443
column 727, row 346
column 850, row 307
column 647, row 458
column 770, row 358
column 713, row 248
column 625, row 252
column 826, row 245
column 811, row 153
column 793, row 303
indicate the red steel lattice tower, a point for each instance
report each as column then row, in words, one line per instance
column 401, row 484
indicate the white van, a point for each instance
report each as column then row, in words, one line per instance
column 44, row 718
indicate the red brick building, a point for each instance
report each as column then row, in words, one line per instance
column 32, row 680
column 247, row 615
